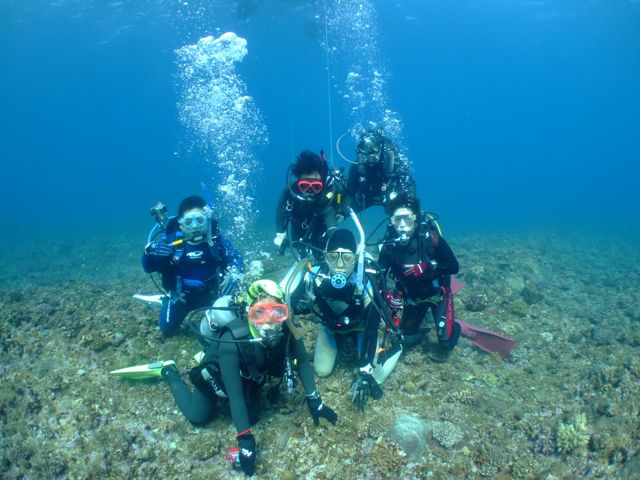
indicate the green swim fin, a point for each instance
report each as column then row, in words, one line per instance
column 139, row 372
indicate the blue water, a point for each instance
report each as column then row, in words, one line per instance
column 515, row 113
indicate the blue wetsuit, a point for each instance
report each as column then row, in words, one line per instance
column 192, row 274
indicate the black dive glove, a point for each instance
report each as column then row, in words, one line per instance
column 363, row 387
column 319, row 410
column 247, row 454
column 159, row 248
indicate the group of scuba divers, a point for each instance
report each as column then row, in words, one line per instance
column 252, row 336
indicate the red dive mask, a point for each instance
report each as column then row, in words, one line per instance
column 310, row 186
column 268, row 313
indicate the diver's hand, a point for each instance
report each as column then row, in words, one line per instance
column 418, row 270
column 395, row 300
column 363, row 387
column 247, row 454
column 319, row 410
column 159, row 248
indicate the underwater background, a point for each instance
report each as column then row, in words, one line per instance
column 521, row 120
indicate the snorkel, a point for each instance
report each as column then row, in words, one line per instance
column 359, row 251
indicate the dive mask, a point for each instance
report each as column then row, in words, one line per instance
column 404, row 222
column 264, row 313
column 341, row 261
column 265, row 321
column 194, row 225
column 193, row 220
column 369, row 149
column 309, row 186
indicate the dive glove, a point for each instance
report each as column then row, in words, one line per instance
column 319, row 410
column 363, row 387
column 395, row 300
column 247, row 454
column 418, row 270
column 159, row 248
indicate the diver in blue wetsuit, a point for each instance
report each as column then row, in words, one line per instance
column 193, row 258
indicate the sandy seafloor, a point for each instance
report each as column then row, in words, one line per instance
column 571, row 301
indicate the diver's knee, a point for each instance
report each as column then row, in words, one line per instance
column 323, row 370
column 199, row 419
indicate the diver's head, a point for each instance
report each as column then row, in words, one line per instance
column 340, row 256
column 310, row 173
column 370, row 149
column 193, row 218
column 267, row 311
column 404, row 220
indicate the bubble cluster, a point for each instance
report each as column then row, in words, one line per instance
column 224, row 123
column 352, row 34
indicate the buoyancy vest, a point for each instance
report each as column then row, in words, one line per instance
column 257, row 364
column 194, row 267
column 419, row 249
column 339, row 309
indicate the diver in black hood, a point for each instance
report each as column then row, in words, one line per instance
column 343, row 294
column 380, row 174
column 307, row 205
column 249, row 347
column 421, row 263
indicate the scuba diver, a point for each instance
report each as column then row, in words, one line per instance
column 421, row 263
column 249, row 344
column 308, row 204
column 346, row 300
column 192, row 257
column 380, row 174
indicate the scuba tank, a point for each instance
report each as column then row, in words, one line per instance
column 219, row 316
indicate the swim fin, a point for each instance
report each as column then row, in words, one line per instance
column 156, row 298
column 487, row 340
column 482, row 338
column 139, row 372
column 455, row 285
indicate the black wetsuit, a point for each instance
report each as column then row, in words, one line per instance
column 237, row 371
column 310, row 220
column 427, row 291
column 370, row 185
column 345, row 310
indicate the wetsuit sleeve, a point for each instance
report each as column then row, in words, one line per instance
column 304, row 367
column 154, row 263
column 281, row 212
column 329, row 217
column 229, row 360
column 231, row 256
column 447, row 261
column 148, row 265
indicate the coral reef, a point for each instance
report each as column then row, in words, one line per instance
column 65, row 324
column 446, row 433
column 573, row 435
